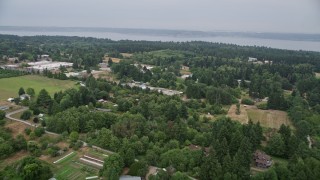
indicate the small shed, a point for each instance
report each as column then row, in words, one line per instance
column 10, row 99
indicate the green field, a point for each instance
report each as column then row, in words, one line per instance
column 71, row 168
column 9, row 86
column 167, row 53
column 269, row 118
column 318, row 75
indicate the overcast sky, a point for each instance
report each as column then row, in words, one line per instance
column 300, row 16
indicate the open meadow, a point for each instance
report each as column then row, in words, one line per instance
column 267, row 118
column 114, row 60
column 9, row 86
column 242, row 117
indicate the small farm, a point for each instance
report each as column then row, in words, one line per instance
column 79, row 165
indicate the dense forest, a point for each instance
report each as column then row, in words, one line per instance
column 174, row 132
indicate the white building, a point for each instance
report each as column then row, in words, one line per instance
column 252, row 59
column 24, row 96
column 44, row 56
column 49, row 65
column 73, row 74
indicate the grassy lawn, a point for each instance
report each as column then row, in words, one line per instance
column 167, row 53
column 126, row 55
column 318, row 75
column 185, row 72
column 9, row 86
column 269, row 118
column 18, row 115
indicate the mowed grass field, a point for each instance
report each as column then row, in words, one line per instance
column 269, row 118
column 9, row 87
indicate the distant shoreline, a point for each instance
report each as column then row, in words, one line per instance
column 174, row 33
column 290, row 41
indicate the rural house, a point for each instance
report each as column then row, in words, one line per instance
column 262, row 159
column 24, row 96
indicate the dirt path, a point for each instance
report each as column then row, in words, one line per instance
column 9, row 116
column 310, row 142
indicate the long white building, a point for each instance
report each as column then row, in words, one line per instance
column 49, row 65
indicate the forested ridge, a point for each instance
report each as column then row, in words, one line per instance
column 190, row 134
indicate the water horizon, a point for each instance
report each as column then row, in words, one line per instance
column 288, row 41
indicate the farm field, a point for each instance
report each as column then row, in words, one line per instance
column 9, row 86
column 126, row 55
column 242, row 117
column 104, row 75
column 269, row 118
column 114, row 60
column 72, row 168
column 167, row 53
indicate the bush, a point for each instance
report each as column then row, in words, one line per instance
column 34, row 149
column 39, row 131
column 44, row 145
column 53, row 151
column 74, row 136
column 25, row 102
column 26, row 115
column 43, row 123
column 2, row 122
column 2, row 114
column 247, row 101
column 77, row 145
column 36, row 111
column 32, row 135
column 27, row 131
column 263, row 106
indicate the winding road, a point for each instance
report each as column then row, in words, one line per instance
column 9, row 116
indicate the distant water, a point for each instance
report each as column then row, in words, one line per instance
column 176, row 37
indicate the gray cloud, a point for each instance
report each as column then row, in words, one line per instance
column 235, row 15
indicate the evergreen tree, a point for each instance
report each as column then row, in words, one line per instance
column 44, row 100
column 276, row 145
column 21, row 91
column 210, row 168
